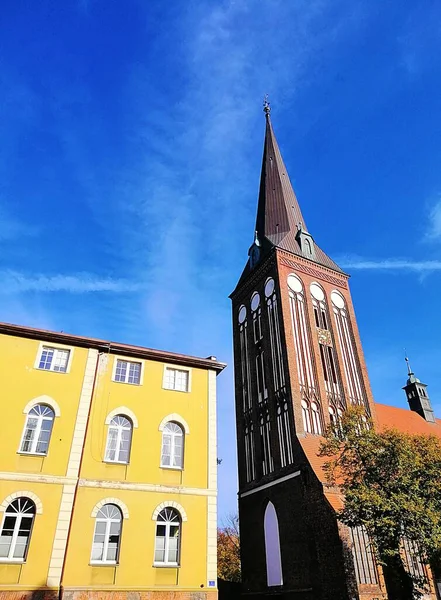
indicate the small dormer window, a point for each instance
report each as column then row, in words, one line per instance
column 305, row 241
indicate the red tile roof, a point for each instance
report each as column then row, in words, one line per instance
column 406, row 420
column 388, row 417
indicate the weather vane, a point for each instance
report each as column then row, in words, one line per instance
column 266, row 106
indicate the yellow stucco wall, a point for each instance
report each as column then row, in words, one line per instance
column 151, row 404
column 135, row 569
column 33, row 573
column 21, row 383
column 97, row 480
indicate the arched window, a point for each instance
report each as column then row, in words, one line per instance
column 168, row 535
column 306, row 416
column 107, row 536
column 172, row 453
column 37, row 430
column 274, row 574
column 335, row 416
column 16, row 530
column 119, row 438
column 316, row 418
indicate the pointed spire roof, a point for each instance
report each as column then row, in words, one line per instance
column 411, row 378
column 279, row 217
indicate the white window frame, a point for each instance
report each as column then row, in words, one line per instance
column 173, row 435
column 167, row 525
column 108, row 521
column 43, row 345
column 126, row 359
column 176, row 368
column 36, row 437
column 119, row 429
column 18, row 518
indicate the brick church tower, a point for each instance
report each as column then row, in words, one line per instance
column 298, row 363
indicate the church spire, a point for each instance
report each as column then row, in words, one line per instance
column 417, row 395
column 279, row 219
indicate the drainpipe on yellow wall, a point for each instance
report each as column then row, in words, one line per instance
column 100, row 354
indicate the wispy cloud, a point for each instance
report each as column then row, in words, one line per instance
column 390, row 264
column 434, row 229
column 82, row 283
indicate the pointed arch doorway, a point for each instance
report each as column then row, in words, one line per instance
column 272, row 547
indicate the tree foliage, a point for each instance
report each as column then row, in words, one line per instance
column 228, row 550
column 391, row 482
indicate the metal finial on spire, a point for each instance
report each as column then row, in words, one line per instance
column 411, row 378
column 406, row 358
column 266, row 106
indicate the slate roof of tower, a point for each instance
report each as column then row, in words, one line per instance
column 278, row 212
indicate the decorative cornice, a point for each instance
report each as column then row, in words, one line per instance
column 256, row 275
column 145, row 487
column 321, row 273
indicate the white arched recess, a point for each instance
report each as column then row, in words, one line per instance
column 274, row 574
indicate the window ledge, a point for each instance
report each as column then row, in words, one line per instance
column 51, row 371
column 115, row 462
column 166, row 565
column 125, row 382
column 23, row 453
column 103, row 564
column 170, row 468
column 173, row 390
column 12, row 561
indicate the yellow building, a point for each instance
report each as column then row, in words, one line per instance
column 107, row 469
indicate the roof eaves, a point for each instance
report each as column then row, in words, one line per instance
column 111, row 347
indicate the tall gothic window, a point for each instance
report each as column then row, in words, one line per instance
column 249, row 449
column 362, row 553
column 284, row 433
column 311, row 410
column 275, row 342
column 335, row 415
column 357, row 394
column 265, row 443
column 16, row 530
column 244, row 359
column 256, row 313
column 413, row 561
column 250, row 465
column 331, row 375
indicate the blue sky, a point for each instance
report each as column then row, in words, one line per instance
column 131, row 142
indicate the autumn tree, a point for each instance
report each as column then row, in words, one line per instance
column 228, row 550
column 391, row 482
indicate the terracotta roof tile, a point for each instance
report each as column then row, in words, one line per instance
column 311, row 445
column 335, row 500
column 404, row 419
column 388, row 417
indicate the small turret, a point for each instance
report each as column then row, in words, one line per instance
column 417, row 396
